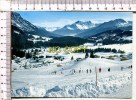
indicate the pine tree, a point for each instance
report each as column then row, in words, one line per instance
column 72, row 58
column 28, row 55
column 114, row 50
column 91, row 54
column 32, row 50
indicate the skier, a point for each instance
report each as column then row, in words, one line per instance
column 87, row 71
column 90, row 70
column 74, row 71
column 55, row 72
column 79, row 71
column 108, row 69
column 100, row 70
column 131, row 66
column 121, row 68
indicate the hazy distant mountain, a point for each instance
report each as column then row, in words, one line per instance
column 75, row 28
column 51, row 29
column 111, row 25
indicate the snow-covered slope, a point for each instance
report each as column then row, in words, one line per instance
column 25, row 31
column 41, row 81
column 28, row 27
column 36, row 38
column 21, row 23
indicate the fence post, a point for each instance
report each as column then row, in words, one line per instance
column 96, row 75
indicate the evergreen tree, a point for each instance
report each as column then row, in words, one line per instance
column 28, row 55
column 18, row 53
column 72, row 58
column 40, row 50
column 120, row 51
column 92, row 54
column 114, row 50
column 32, row 50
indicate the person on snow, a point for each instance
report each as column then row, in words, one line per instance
column 87, row 71
column 121, row 68
column 79, row 71
column 90, row 70
column 55, row 72
column 108, row 69
column 100, row 70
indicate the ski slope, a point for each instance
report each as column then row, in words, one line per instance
column 43, row 82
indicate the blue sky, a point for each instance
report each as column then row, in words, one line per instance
column 59, row 19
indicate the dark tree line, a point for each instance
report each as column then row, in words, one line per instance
column 23, row 53
column 121, row 41
column 100, row 50
column 18, row 53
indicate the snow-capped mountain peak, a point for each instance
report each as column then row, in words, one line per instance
column 118, row 23
column 80, row 25
column 84, row 25
column 75, row 28
column 110, row 25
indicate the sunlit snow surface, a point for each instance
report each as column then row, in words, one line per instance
column 39, row 80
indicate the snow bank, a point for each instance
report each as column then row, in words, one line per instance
column 40, row 82
column 106, row 86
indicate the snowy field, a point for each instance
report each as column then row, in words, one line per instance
column 79, row 77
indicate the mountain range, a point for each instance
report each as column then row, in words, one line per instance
column 26, row 35
column 75, row 28
column 86, row 29
column 110, row 25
